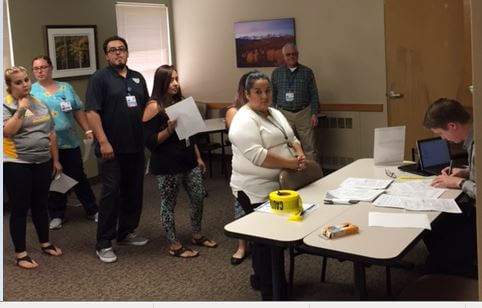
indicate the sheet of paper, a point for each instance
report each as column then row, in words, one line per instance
column 415, row 189
column 265, row 208
column 398, row 220
column 62, row 183
column 366, row 183
column 389, row 145
column 189, row 120
column 353, row 194
column 87, row 149
column 414, row 204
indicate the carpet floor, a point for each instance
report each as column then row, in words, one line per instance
column 148, row 273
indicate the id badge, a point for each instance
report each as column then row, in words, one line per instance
column 290, row 96
column 65, row 106
column 131, row 101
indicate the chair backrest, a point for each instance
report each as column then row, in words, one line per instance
column 293, row 180
column 203, row 109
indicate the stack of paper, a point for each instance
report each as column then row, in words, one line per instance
column 415, row 204
column 415, row 189
column 398, row 220
column 353, row 194
column 362, row 183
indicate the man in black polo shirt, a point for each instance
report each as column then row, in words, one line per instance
column 115, row 100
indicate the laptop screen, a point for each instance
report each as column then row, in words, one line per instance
column 433, row 152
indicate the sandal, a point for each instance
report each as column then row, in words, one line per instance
column 25, row 258
column 178, row 252
column 48, row 250
column 202, row 242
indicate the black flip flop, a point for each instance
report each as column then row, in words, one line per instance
column 178, row 252
column 200, row 242
column 50, row 247
column 26, row 259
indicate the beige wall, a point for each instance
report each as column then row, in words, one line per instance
column 29, row 18
column 342, row 41
column 477, row 81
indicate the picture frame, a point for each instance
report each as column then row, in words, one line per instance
column 259, row 42
column 73, row 50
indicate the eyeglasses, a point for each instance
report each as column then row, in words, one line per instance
column 294, row 54
column 40, row 68
column 115, row 50
column 390, row 174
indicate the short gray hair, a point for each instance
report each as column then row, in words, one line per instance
column 288, row 45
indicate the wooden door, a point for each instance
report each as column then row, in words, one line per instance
column 428, row 56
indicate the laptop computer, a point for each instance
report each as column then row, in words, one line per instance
column 434, row 155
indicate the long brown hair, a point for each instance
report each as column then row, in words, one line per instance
column 162, row 79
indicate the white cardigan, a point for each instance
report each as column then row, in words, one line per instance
column 252, row 135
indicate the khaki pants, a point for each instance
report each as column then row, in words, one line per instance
column 301, row 124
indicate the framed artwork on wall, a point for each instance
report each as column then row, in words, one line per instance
column 259, row 42
column 73, row 50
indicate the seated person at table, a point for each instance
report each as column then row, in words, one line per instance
column 263, row 143
column 452, row 242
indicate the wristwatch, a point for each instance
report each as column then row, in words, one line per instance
column 461, row 183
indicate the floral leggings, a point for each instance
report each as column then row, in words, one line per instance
column 169, row 188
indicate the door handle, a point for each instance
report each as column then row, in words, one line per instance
column 394, row 95
column 471, row 88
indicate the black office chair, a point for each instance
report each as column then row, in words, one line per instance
column 204, row 143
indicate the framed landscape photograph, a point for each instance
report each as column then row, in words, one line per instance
column 73, row 50
column 259, row 42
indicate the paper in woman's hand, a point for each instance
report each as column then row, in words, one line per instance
column 62, row 183
column 189, row 120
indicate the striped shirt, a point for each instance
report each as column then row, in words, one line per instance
column 301, row 82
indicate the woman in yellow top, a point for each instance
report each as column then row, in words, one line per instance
column 30, row 160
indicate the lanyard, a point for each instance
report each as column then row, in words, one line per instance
column 278, row 126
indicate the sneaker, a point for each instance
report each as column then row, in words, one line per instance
column 55, row 224
column 133, row 239
column 94, row 217
column 106, row 255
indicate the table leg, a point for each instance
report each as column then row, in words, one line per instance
column 360, row 281
column 277, row 272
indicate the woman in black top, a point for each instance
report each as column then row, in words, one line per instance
column 174, row 162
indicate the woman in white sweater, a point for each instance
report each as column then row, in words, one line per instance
column 263, row 144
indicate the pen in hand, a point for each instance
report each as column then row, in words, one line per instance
column 450, row 167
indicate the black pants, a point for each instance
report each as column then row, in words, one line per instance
column 261, row 259
column 71, row 161
column 452, row 243
column 263, row 272
column 121, row 197
column 28, row 188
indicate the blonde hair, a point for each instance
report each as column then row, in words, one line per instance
column 10, row 71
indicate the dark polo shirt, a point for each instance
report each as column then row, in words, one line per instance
column 106, row 94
